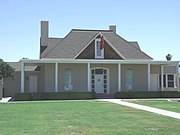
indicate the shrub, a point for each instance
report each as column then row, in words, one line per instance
column 148, row 94
column 54, row 96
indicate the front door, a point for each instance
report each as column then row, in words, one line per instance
column 154, row 82
column 32, row 83
column 99, row 87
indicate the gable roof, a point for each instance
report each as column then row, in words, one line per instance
column 51, row 44
column 135, row 44
column 125, row 48
column 77, row 40
column 17, row 66
column 71, row 44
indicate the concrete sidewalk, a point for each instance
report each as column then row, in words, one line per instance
column 145, row 108
column 5, row 99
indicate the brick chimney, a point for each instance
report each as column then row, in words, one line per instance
column 113, row 28
column 44, row 35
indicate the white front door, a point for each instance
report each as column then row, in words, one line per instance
column 32, row 83
column 99, row 88
column 154, row 82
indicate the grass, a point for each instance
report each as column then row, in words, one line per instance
column 82, row 118
column 161, row 104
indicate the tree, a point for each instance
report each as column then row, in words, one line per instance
column 168, row 57
column 6, row 70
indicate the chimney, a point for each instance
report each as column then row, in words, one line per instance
column 113, row 28
column 44, row 36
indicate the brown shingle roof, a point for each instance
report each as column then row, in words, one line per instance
column 73, row 43
column 135, row 44
column 124, row 47
column 52, row 42
column 76, row 40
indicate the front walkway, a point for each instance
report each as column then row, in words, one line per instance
column 5, row 99
column 145, row 108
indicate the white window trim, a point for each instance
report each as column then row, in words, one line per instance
column 102, row 50
column 70, row 86
column 107, row 70
column 127, row 86
column 166, row 78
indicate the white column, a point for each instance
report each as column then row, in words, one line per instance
column 22, row 77
column 56, row 77
column 119, row 77
column 162, row 76
column 149, row 76
column 177, row 76
column 89, row 77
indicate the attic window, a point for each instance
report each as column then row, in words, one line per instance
column 99, row 50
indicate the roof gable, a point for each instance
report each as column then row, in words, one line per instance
column 89, row 51
column 78, row 40
column 70, row 46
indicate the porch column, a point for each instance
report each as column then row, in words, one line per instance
column 22, row 77
column 56, row 77
column 149, row 76
column 177, row 76
column 89, row 77
column 119, row 77
column 162, row 76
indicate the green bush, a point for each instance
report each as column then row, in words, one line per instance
column 54, row 96
column 148, row 94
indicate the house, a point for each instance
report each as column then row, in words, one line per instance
column 91, row 60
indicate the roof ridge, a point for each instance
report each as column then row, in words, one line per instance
column 84, row 30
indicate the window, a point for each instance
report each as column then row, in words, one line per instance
column 68, row 79
column 168, row 80
column 129, row 79
column 99, row 52
column 164, row 80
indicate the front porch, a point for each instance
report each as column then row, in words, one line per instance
column 100, row 76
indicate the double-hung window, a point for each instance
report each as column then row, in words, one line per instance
column 68, row 79
column 129, row 79
column 168, row 80
column 99, row 52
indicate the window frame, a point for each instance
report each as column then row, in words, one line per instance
column 129, row 79
column 102, row 50
column 68, row 79
column 167, row 81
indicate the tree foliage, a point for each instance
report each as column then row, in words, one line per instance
column 168, row 57
column 6, row 70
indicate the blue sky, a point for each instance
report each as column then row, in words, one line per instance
column 155, row 24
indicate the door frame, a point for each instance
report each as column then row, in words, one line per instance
column 93, row 79
column 156, row 77
column 31, row 78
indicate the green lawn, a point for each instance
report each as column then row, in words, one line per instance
column 82, row 118
column 161, row 104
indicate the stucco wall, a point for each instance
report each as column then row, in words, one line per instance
column 156, row 69
column 170, row 69
column 139, row 77
column 49, row 77
column 79, row 77
column 12, row 86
